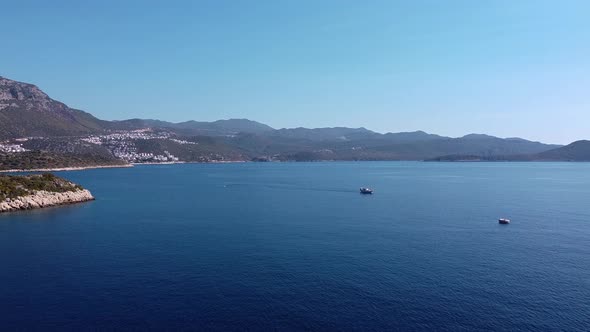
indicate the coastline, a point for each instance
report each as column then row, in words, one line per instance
column 42, row 199
column 65, row 169
column 192, row 162
column 60, row 169
column 81, row 168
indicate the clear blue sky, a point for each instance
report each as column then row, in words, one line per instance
column 507, row 68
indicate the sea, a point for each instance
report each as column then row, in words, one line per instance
column 296, row 247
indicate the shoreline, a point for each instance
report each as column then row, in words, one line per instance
column 60, row 169
column 192, row 162
column 82, row 168
column 44, row 199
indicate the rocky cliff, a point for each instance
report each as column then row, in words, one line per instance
column 41, row 199
column 25, row 110
column 24, row 192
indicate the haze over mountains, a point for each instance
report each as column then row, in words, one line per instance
column 26, row 111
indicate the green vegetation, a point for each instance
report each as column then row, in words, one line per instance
column 43, row 160
column 13, row 186
column 576, row 151
column 54, row 135
column 207, row 149
column 66, row 145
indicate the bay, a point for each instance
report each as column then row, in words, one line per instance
column 294, row 246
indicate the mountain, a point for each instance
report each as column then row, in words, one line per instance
column 415, row 136
column 25, row 110
column 363, row 144
column 223, row 127
column 421, row 146
column 326, row 134
column 576, row 151
column 134, row 124
column 215, row 128
column 489, row 145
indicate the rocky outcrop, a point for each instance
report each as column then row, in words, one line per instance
column 41, row 199
column 28, row 96
column 27, row 111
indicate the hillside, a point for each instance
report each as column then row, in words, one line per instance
column 57, row 130
column 325, row 134
column 13, row 186
column 576, row 151
column 24, row 192
column 195, row 128
column 403, row 146
column 25, row 110
column 31, row 160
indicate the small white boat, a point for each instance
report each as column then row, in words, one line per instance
column 366, row 190
column 503, row 221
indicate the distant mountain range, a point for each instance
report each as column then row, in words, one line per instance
column 26, row 111
column 576, row 151
column 215, row 128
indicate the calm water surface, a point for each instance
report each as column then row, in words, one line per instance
column 294, row 246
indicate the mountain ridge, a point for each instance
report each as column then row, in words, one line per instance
column 26, row 111
column 577, row 151
column 15, row 94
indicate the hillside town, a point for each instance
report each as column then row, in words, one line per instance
column 121, row 144
column 11, row 148
column 139, row 134
column 138, row 146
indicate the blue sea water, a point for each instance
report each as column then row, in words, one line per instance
column 294, row 246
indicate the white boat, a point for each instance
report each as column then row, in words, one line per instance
column 504, row 221
column 366, row 190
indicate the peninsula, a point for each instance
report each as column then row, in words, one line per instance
column 25, row 192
